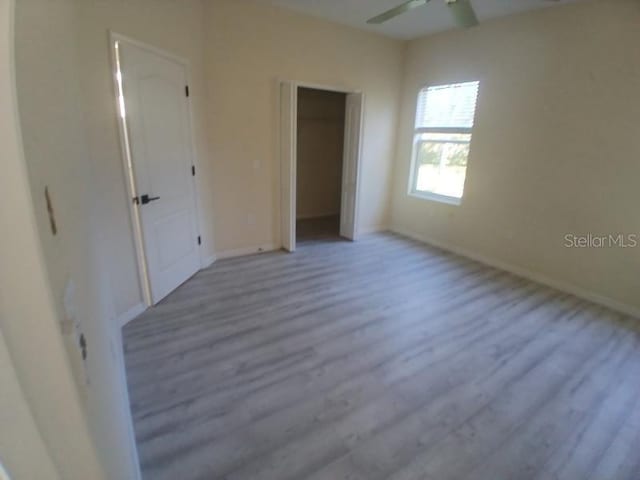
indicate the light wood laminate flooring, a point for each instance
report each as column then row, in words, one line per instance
column 381, row 359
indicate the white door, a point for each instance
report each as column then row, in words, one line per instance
column 288, row 135
column 351, row 165
column 158, row 121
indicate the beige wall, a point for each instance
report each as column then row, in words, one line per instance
column 71, row 144
column 555, row 144
column 554, row 151
column 237, row 150
column 46, row 396
column 81, row 408
column 248, row 48
column 22, row 451
column 320, row 148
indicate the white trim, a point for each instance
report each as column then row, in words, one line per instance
column 329, row 88
column 130, row 314
column 436, row 197
column 368, row 230
column 356, row 200
column 208, row 261
column 143, row 279
column 537, row 277
column 205, row 261
column 241, row 252
column 124, row 390
column 115, row 36
column 288, row 164
column 295, row 85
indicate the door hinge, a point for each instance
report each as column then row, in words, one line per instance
column 199, row 240
column 193, row 170
column 186, row 90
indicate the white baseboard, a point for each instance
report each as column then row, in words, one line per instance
column 525, row 273
column 240, row 252
column 373, row 229
column 130, row 314
column 207, row 261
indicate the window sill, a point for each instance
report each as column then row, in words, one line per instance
column 436, row 197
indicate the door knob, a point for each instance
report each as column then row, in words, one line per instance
column 144, row 199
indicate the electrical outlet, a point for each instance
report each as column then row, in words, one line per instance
column 71, row 328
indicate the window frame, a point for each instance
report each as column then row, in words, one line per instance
column 417, row 131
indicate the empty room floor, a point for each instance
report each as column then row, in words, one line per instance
column 381, row 359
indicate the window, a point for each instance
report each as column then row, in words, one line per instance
column 441, row 139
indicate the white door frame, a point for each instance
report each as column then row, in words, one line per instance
column 127, row 160
column 288, row 161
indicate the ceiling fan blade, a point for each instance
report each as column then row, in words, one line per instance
column 394, row 12
column 463, row 13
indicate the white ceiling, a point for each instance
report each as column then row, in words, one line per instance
column 431, row 18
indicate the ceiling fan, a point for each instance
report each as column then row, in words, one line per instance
column 462, row 12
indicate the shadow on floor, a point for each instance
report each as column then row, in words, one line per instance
column 321, row 228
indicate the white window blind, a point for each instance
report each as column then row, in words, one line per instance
column 447, row 106
column 442, row 141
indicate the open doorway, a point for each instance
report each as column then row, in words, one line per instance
column 319, row 190
column 319, row 153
